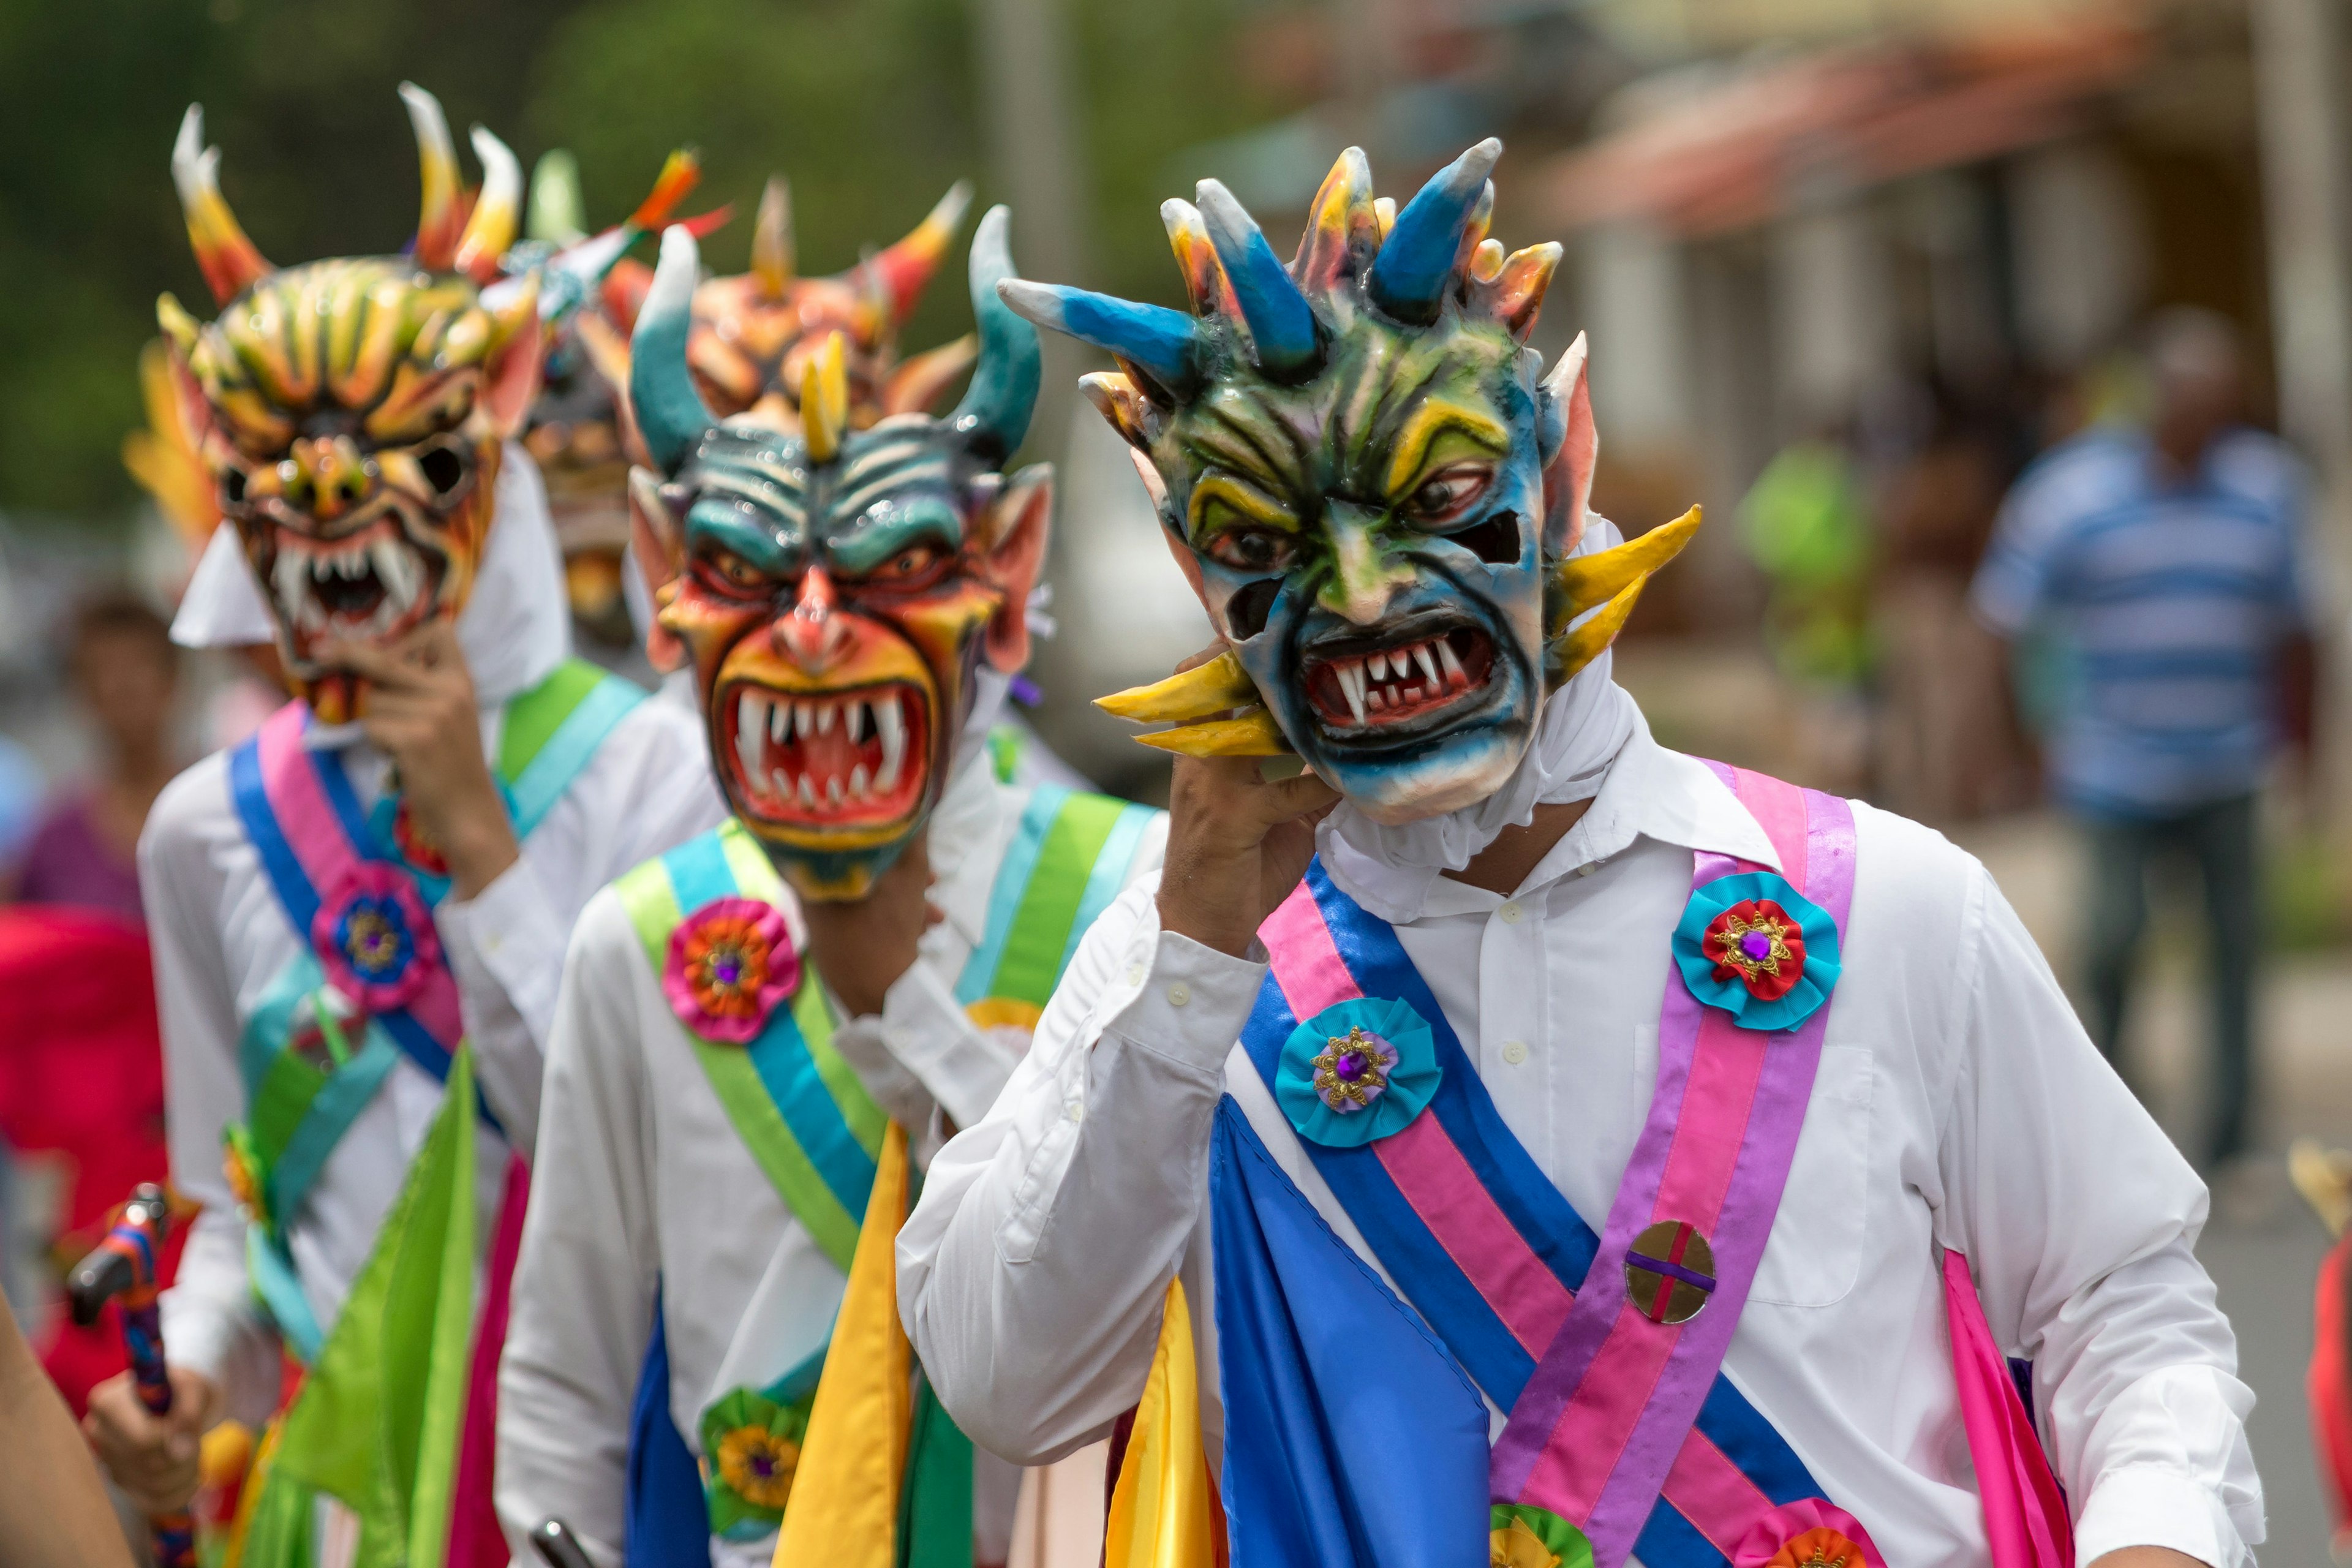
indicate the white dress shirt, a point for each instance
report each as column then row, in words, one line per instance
column 1958, row 1104
column 221, row 937
column 642, row 1179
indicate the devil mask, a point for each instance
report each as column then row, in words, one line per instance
column 837, row 589
column 1372, row 492
column 351, row 412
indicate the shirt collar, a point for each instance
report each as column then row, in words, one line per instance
column 1649, row 792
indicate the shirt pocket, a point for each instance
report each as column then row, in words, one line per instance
column 1815, row 1253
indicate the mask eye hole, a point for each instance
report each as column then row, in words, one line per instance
column 731, row 574
column 1447, row 495
column 446, row 468
column 914, row 567
column 232, row 487
column 1253, row 550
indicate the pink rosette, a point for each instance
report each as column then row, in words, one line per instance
column 731, row 964
column 1805, row 1533
column 375, row 939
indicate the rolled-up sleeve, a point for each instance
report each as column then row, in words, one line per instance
column 2080, row 1221
column 1031, row 1272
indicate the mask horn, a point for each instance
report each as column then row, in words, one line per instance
column 228, row 260
column 1281, row 325
column 556, row 214
column 671, row 415
column 771, row 239
column 994, row 413
column 1343, row 232
column 825, row 400
column 904, row 268
column 1416, row 262
column 490, row 230
column 438, row 221
column 1158, row 343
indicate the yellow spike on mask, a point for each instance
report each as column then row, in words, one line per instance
column 1585, row 582
column 1252, row 734
column 1211, row 688
column 1612, row 579
column 771, row 239
column 825, row 400
column 177, row 324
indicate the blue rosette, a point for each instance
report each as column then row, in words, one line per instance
column 1734, row 995
column 1356, row 1072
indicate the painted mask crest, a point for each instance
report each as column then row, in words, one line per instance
column 837, row 589
column 1373, row 490
column 350, row 413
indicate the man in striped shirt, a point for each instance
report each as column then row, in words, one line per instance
column 2169, row 566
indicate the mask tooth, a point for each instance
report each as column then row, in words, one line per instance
column 808, row 793
column 393, row 569
column 781, row 783
column 858, row 781
column 1379, row 663
column 1428, row 665
column 892, row 725
column 1375, row 700
column 1351, row 681
column 780, row 722
column 292, row 574
column 856, row 710
column 750, row 720
column 806, row 712
column 824, row 717
column 1455, row 675
column 833, row 790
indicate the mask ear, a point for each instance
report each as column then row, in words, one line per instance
column 658, row 544
column 511, row 375
column 1011, row 554
column 1568, row 471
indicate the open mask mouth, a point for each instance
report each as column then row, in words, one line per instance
column 369, row 586
column 1394, row 686
column 849, row 760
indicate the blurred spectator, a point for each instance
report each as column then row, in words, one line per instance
column 2170, row 564
column 1947, row 747
column 125, row 673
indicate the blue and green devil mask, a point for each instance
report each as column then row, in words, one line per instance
column 837, row 589
column 1376, row 494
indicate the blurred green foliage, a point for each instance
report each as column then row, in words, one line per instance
column 870, row 106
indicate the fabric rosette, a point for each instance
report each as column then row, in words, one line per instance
column 1807, row 1533
column 753, row 1444
column 1356, row 1072
column 375, row 939
column 1752, row 945
column 731, row 964
column 1526, row 1536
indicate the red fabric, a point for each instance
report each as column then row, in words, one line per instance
column 81, row 1079
column 2329, row 1383
column 474, row 1539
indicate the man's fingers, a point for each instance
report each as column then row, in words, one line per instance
column 1194, row 662
column 1295, row 796
column 381, row 667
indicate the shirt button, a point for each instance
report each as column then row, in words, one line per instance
column 1135, row 973
column 1589, row 867
column 1178, row 994
column 1078, row 1110
column 1510, row 913
column 1515, row 1051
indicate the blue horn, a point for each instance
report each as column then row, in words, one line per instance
column 671, row 415
column 994, row 413
column 1156, row 341
column 1281, row 323
column 1410, row 276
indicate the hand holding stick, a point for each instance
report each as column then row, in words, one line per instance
column 122, row 1268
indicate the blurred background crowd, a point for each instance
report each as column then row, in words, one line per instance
column 2008, row 344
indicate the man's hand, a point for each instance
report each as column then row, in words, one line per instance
column 420, row 711
column 1237, row 843
column 861, row 946
column 153, row 1459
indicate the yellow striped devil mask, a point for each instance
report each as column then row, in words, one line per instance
column 1377, row 496
column 351, row 412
